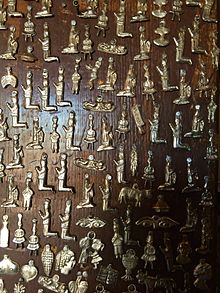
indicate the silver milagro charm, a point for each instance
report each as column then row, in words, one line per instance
column 18, row 154
column 149, row 255
column 120, row 21
column 120, row 165
column 111, row 77
column 197, row 125
column 212, row 106
column 37, row 136
column 29, row 26
column 14, row 109
column 93, row 69
column 154, row 126
column 28, row 192
column 59, row 87
column 158, row 9
column 91, row 9
column 65, row 222
column 8, row 266
column 180, row 45
column 19, row 234
column 211, row 150
column 73, row 40
column 144, row 45
column 62, row 174
column 46, row 219
column 80, row 284
column 185, row 90
column 33, row 239
column 107, row 194
column 29, row 272
column 192, row 178
column 215, row 50
column 149, row 172
column 117, row 239
column 206, row 196
column 127, row 225
column 76, row 77
column 90, row 135
column 3, row 16
column 42, row 172
column 45, row 11
column 4, row 232
column 148, row 84
column 53, row 283
column 65, row 260
column 195, row 37
column 123, row 123
column 91, row 163
column 9, row 78
column 170, row 176
column 55, row 136
column 99, row 105
column 69, row 133
column 12, row 45
column 141, row 12
column 12, row 196
column 28, row 92
column 102, row 23
column 87, row 44
column 2, row 166
column 130, row 84
column 194, row 3
column 162, row 31
column 91, row 222
column 129, row 261
column 88, row 194
column 106, row 137
column 47, row 258
column 11, row 9
column 203, row 273
column 112, row 48
column 191, row 217
column 203, row 82
column 207, row 11
column 28, row 55
column 177, row 9
column 133, row 160
column 3, row 127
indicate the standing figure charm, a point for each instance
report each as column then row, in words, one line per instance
column 203, row 82
column 2, row 166
column 107, row 136
column 42, row 172
column 106, row 194
column 120, row 165
column 133, row 160
column 73, row 40
column 11, row 9
column 211, row 150
column 87, row 44
column 162, row 31
column 55, row 136
column 120, row 21
column 12, row 45
column 215, row 50
column 3, row 127
column 180, row 44
column 154, row 126
column 111, row 77
column 62, row 174
column 93, row 72
column 59, row 87
column 192, row 178
column 149, row 255
column 191, row 217
column 46, row 45
column 29, row 26
column 102, row 23
column 197, row 125
column 76, row 77
column 207, row 11
column 37, row 136
column 148, row 84
column 19, row 238
column 212, row 107
column 3, row 16
column 123, row 123
column 90, row 137
column 144, row 45
column 170, row 176
column 33, row 240
column 46, row 219
column 141, row 12
column 4, row 232
column 28, row 192
column 127, row 224
column 28, row 92
column 149, row 171
column 65, row 260
column 88, row 194
column 185, row 90
column 69, row 133
column 14, row 109
column 45, row 11
column 177, row 131
column 18, row 154
column 177, row 9
column 130, row 84
column 117, row 239
column 184, row 250
column 12, row 197
column 65, row 222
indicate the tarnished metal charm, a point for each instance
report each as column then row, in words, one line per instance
column 161, row 206
column 141, row 12
column 158, row 10
column 203, row 82
column 90, row 135
column 101, row 289
column 46, row 219
column 170, row 176
column 120, row 21
column 73, row 40
column 93, row 69
column 3, row 16
column 91, row 222
column 99, row 105
column 111, row 77
column 53, row 284
column 106, row 136
column 123, row 123
column 65, row 260
column 191, row 217
column 88, row 194
column 130, row 84
column 195, row 37
column 148, row 84
column 91, row 9
column 33, row 239
column 185, row 90
column 212, row 106
column 2, row 166
column 28, row 92
column 62, row 174
column 192, row 178
column 132, row 289
column 3, row 127
column 65, row 222
column 90, row 163
column 211, row 150
column 112, row 48
column 47, row 258
column 8, row 266
column 117, row 239
column 29, row 26
column 184, row 250
column 154, row 125
column 167, row 251
column 133, row 160
column 207, row 11
column 149, row 255
column 144, row 45
column 180, row 45
column 12, row 196
column 149, row 171
column 28, row 56
column 87, row 44
column 107, row 275
column 14, row 109
column 42, row 172
column 197, row 125
column 133, row 195
column 9, row 78
column 28, row 192
column 215, row 50
column 69, row 130
column 76, row 77
column 120, row 165
column 45, row 11
column 80, row 284
column 162, row 31
column 177, row 9
column 102, row 24
column 55, row 136
column 129, row 261
column 107, row 194
column 127, row 224
column 206, row 233
column 12, row 45
column 59, row 87
column 37, row 136
column 206, row 196
column 19, row 234
column 11, row 9
column 157, row 222
column 203, row 273
column 193, row 3
column 18, row 154
column 29, row 272
column 4, row 232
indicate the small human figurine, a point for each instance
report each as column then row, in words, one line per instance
column 185, row 90
column 215, row 50
column 29, row 26
column 162, row 31
column 211, row 150
column 91, row 9
column 65, row 260
column 111, row 77
column 47, row 258
column 45, row 11
column 112, row 48
column 177, row 9
column 3, row 16
column 62, row 174
column 133, row 160
column 195, row 37
column 141, row 12
column 203, row 273
column 164, row 75
column 33, row 240
column 45, row 93
column 207, row 11
column 193, row 3
column 90, row 163
column 206, row 196
column 12, row 45
column 46, row 45
column 177, row 130
column 93, row 72
column 73, row 40
column 158, row 10
column 28, row 192
column 106, row 137
column 154, row 126
column 3, row 127
column 102, row 23
column 129, row 85
column 37, row 136
column 9, row 78
column 2, row 166
column 90, row 248
column 127, row 224
column 120, row 21
column 46, row 219
column 76, row 77
column 191, row 217
column 206, row 235
column 28, row 92
column 42, row 172
column 106, row 194
column 120, row 165
column 192, row 178
column 19, row 233
column 203, row 82
column 117, row 239
column 28, row 55
column 65, row 222
column 180, row 45
column 170, row 176
column 149, row 255
column 99, row 105
column 12, row 195
column 123, row 123
column 149, row 171
column 14, row 109
column 53, row 283
column 18, row 154
column 4, row 232
column 90, row 136
column 197, row 125
column 87, row 44
column 148, row 84
column 59, row 87
column 69, row 133
column 212, row 106
column 144, row 45
column 55, row 136
column 167, row 251
column 88, row 194
column 184, row 250
column 80, row 284
column 11, row 9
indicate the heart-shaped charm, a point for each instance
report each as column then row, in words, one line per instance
column 29, row 271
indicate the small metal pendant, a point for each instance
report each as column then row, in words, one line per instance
column 28, row 192
column 93, row 72
column 76, row 77
column 197, row 125
column 90, row 163
column 148, row 84
column 180, row 45
column 55, row 136
column 203, row 273
column 8, row 266
column 91, row 222
column 90, row 135
column 167, row 251
column 73, row 40
column 47, row 258
column 170, row 176
column 184, row 250
column 156, row 222
column 149, row 255
column 177, row 10
column 120, row 165
column 45, row 9
column 111, row 77
column 99, row 105
column 127, row 224
column 80, row 284
column 91, row 9
column 120, row 21
column 87, row 44
column 11, row 9
column 203, row 82
column 29, row 272
column 130, row 84
column 53, row 284
column 106, row 136
column 132, row 289
column 129, row 261
column 206, row 233
column 65, row 260
column 2, row 286
column 133, row 160
column 65, row 222
column 144, row 45
column 161, row 30
column 101, row 289
column 3, row 16
column 211, row 150
column 117, row 239
column 154, row 126
column 191, row 217
column 195, row 37
column 12, row 196
column 192, row 178
column 206, row 196
column 102, row 24
column 19, row 287
column 28, row 92
column 33, row 239
column 12, row 45
column 2, row 166
column 107, row 275
column 37, row 136
column 215, row 50
column 159, row 12
column 4, row 232
column 149, row 172
column 69, row 133
column 46, row 219
column 193, row 3
column 141, row 12
column 112, row 48
column 161, row 205
column 42, row 171
column 107, row 194
column 207, row 11
column 3, row 127
column 62, row 175
column 14, row 109
column 19, row 234
column 123, row 123
column 9, row 78
column 59, row 87
column 18, row 154
column 88, row 194
column 212, row 106
column 28, row 56
column 29, row 26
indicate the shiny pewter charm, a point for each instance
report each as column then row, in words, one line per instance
column 207, row 11
column 42, row 172
column 65, row 222
column 157, row 222
column 47, row 258
column 28, row 56
column 9, row 78
column 149, row 171
column 55, row 136
column 206, row 196
column 69, row 130
column 91, row 163
column 12, row 196
column 107, row 194
column 46, row 219
column 154, row 126
column 53, row 284
column 29, row 272
column 37, row 136
column 102, row 23
column 111, row 77
column 177, row 130
column 87, row 44
column 19, row 287
column 149, row 255
column 62, row 174
column 14, row 109
column 203, row 82
column 8, row 266
column 120, row 21
column 33, row 239
column 29, row 26
column 88, row 194
column 11, row 9
column 107, row 275
column 120, row 165
column 91, row 9
column 141, row 12
column 3, row 16
column 215, row 50
column 91, row 222
column 130, row 84
column 203, row 273
column 211, row 150
column 93, row 69
column 162, row 31
column 177, row 9
column 46, row 45
column 167, row 252
column 192, row 178
column 206, row 235
column 28, row 92
column 3, row 127
column 144, row 45
column 194, row 3
column 65, row 260
column 106, row 136
column 129, row 261
column 18, row 154
column 45, row 9
column 117, row 239
column 101, row 289
column 123, row 123
column 2, row 287
column 74, row 38
column 12, row 45
column 19, row 234
column 99, row 105
column 80, row 285
column 90, row 135
column 112, row 48
column 133, row 160
column 158, row 10
column 191, row 217
column 2, row 166
column 185, row 90
column 59, row 87
column 212, row 106
column 4, row 232
column 148, row 84
column 197, row 125
column 133, row 194
column 180, row 45
column 76, row 77
column 170, row 176
column 127, row 225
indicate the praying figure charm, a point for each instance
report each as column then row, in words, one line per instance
column 144, row 45
column 62, row 174
column 37, row 136
column 54, row 135
column 102, row 24
column 69, row 133
column 2, row 166
column 46, row 219
column 148, row 84
column 65, row 222
column 3, row 127
column 93, row 72
column 197, row 125
column 185, row 90
column 107, row 136
column 192, row 178
column 12, row 45
column 203, row 82
column 120, row 21
column 159, row 12
column 11, row 9
column 180, row 44
column 42, row 172
column 59, row 87
column 141, row 12
column 130, row 84
column 14, row 109
column 123, row 123
column 170, row 176
column 3, row 16
column 73, row 40
column 162, row 31
column 45, row 9
column 88, row 194
column 111, row 77
column 207, row 11
column 18, row 154
column 177, row 10
column 28, row 192
column 28, row 92
column 12, row 196
column 154, row 125
column 212, row 106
